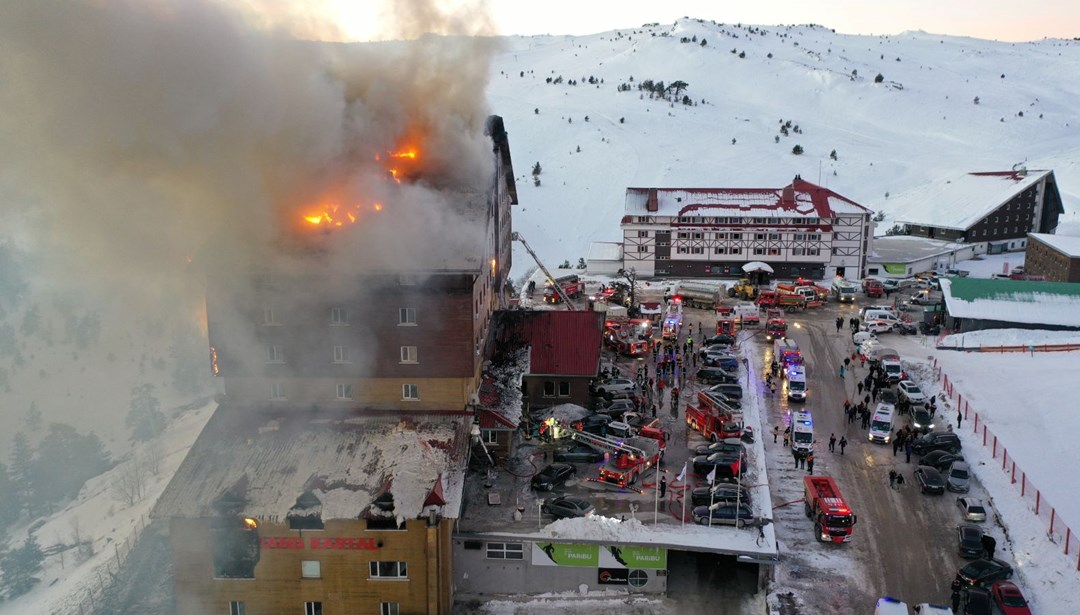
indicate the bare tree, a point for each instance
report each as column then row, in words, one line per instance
column 154, row 454
column 130, row 482
column 84, row 548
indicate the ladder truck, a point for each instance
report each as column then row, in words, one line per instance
column 551, row 279
column 627, row 457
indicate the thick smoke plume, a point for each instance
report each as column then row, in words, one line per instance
column 139, row 131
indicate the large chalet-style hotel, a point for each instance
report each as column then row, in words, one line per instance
column 329, row 479
column 800, row 230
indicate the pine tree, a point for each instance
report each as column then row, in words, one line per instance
column 797, row 150
column 144, row 419
column 9, row 498
column 879, row 78
column 20, row 566
column 22, row 467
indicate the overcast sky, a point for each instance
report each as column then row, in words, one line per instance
column 991, row 19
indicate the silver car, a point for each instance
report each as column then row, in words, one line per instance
column 972, row 509
column 958, row 478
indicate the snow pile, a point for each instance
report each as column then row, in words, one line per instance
column 507, row 380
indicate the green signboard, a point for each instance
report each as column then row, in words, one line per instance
column 559, row 554
column 895, row 268
column 562, row 554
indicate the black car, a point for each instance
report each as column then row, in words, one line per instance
column 733, row 445
column 721, row 492
column 567, row 506
column 940, row 460
column 724, row 514
column 594, row 423
column 730, row 389
column 974, row 601
column 719, row 340
column 981, row 572
column 922, row 419
column 937, row 441
column 578, row 453
column 552, row 476
column 716, row 375
column 725, row 464
column 970, row 540
column 930, row 480
column 887, row 396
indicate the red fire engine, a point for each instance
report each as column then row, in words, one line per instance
column 628, row 457
column 713, row 418
column 570, row 284
column 823, row 503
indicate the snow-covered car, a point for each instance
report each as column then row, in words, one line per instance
column 723, row 514
column 972, row 509
column 911, row 393
column 567, row 506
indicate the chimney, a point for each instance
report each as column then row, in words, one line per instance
column 787, row 196
column 651, row 203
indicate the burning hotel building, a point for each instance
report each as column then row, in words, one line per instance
column 329, row 480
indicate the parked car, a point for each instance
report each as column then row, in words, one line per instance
column 614, row 385
column 578, row 453
column 596, row 424
column 716, row 375
column 1009, row 599
column 875, row 327
column 910, row 392
column 726, row 464
column 972, row 509
column 940, row 460
column 922, row 419
column 616, row 408
column 937, row 441
column 552, row 476
column 970, row 539
column 726, row 362
column 723, row 514
column 958, row 478
column 734, row 402
column 732, row 445
column 974, row 601
column 982, row 573
column 721, row 340
column 929, row 480
column 567, row 506
column 730, row 389
column 887, row 396
column 721, row 492
column 926, row 608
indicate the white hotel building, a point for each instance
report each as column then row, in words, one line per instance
column 800, row 230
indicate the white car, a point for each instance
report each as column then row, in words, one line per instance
column 617, row 385
column 876, row 326
column 868, row 347
column 860, row 337
column 912, row 393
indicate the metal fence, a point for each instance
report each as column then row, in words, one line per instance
column 1058, row 532
column 107, row 573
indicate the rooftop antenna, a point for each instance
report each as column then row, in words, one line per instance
column 819, row 172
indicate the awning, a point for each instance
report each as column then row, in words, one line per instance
column 756, row 266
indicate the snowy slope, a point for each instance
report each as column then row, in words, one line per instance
column 887, row 139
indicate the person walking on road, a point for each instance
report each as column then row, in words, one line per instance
column 810, row 463
column 892, row 479
column 895, row 445
column 841, row 371
column 907, row 452
column 839, row 323
column 843, row 443
column 787, row 436
column 859, row 386
column 959, row 418
column 832, row 443
column 663, row 486
column 775, row 433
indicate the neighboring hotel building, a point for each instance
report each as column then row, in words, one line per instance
column 997, row 208
column 799, row 230
column 329, row 479
column 1054, row 257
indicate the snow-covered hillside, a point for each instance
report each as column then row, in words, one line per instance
column 920, row 123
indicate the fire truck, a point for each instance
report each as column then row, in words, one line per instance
column 823, row 503
column 627, row 457
column 571, row 285
column 672, row 320
column 775, row 327
column 630, row 338
column 713, row 418
column 873, row 288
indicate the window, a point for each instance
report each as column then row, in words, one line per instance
column 549, row 388
column 800, row 236
column 274, row 354
column 697, row 250
column 813, row 236
column 339, row 317
column 643, row 248
column 505, row 550
column 277, row 390
column 759, row 236
column 643, row 233
column 490, row 436
column 638, row 578
column 683, row 250
column 662, row 243
column 774, row 251
column 344, row 391
column 697, row 235
column 734, row 235
column 407, row 317
column 735, row 250
column 388, row 570
column 312, row 608
column 719, row 250
column 774, row 236
column 311, row 569
column 341, row 354
column 759, row 250
column 269, row 318
column 564, row 388
column 389, row 608
column 682, row 235
column 237, row 607
column 408, row 354
column 410, row 392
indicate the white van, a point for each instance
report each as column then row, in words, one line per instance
column 881, row 424
column 802, row 432
column 891, row 606
column 881, row 316
column 796, row 385
column 894, row 372
column 925, row 608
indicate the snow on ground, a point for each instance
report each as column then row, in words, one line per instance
column 992, row 338
column 107, row 521
column 987, row 265
column 1023, row 399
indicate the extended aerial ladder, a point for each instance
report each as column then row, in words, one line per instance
column 551, row 279
column 607, row 445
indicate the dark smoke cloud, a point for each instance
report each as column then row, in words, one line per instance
column 141, row 129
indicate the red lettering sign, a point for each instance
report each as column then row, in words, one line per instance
column 341, row 544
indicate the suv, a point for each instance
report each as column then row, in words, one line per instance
column 731, row 389
column 615, row 385
column 552, row 476
column 937, row 441
column 911, row 392
column 981, row 573
column 716, row 375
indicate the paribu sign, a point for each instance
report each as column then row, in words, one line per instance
column 341, row 544
column 595, row 556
